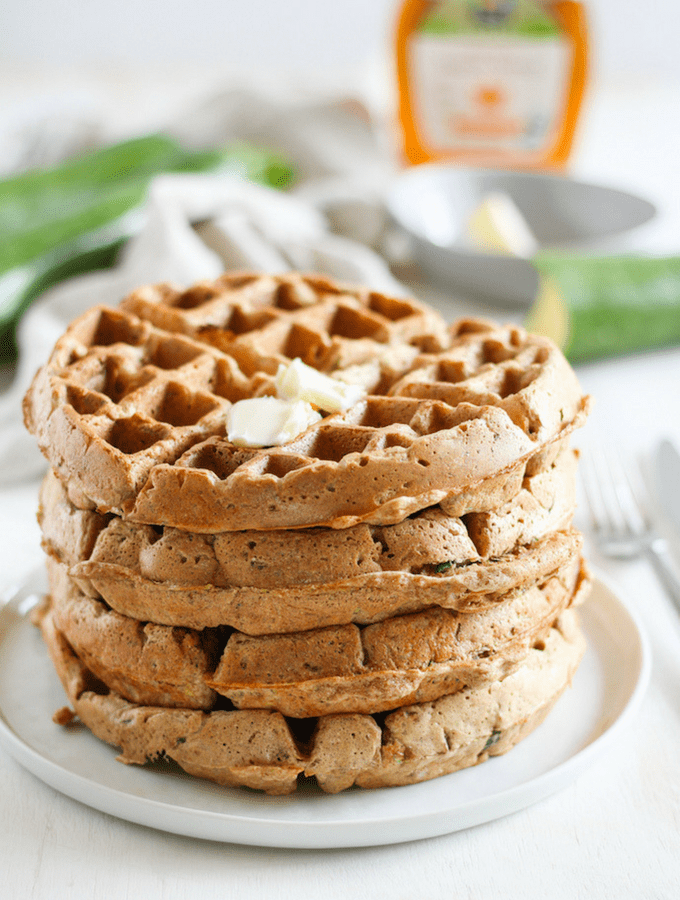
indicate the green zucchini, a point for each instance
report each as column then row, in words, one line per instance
column 595, row 307
column 54, row 220
column 100, row 256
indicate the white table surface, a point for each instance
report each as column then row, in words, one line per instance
column 612, row 833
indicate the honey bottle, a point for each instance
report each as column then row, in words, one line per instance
column 490, row 83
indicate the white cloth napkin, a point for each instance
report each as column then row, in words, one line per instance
column 196, row 226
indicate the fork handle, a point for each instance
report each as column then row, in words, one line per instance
column 661, row 559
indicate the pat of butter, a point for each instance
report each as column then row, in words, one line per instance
column 268, row 421
column 298, row 381
column 498, row 226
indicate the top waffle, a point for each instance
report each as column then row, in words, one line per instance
column 131, row 407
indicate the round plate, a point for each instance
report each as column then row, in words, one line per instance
column 606, row 691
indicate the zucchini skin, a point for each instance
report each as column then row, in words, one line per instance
column 611, row 305
column 72, row 218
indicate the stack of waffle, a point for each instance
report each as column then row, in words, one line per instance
column 385, row 598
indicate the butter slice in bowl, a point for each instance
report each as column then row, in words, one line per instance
column 465, row 235
column 497, row 225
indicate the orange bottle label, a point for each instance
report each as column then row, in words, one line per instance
column 490, row 82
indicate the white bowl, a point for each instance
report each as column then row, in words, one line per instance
column 432, row 203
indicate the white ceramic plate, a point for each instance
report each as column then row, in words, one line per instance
column 607, row 690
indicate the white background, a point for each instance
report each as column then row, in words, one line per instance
column 631, row 38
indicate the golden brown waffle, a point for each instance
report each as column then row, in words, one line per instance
column 145, row 663
column 262, row 749
column 264, row 320
column 402, row 660
column 295, row 580
column 399, row 661
column 132, row 414
column 379, row 601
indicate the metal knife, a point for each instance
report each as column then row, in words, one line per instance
column 667, row 475
column 667, row 478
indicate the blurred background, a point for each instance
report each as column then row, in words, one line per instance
column 80, row 74
column 181, row 48
column 633, row 39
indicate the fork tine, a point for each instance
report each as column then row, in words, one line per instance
column 591, row 491
column 600, row 493
column 629, row 500
column 622, row 526
column 610, row 496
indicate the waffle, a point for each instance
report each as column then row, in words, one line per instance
column 145, row 663
column 396, row 662
column 130, row 409
column 264, row 750
column 294, row 580
column 386, row 597
column 401, row 660
column 463, row 588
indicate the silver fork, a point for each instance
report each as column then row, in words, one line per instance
column 621, row 525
